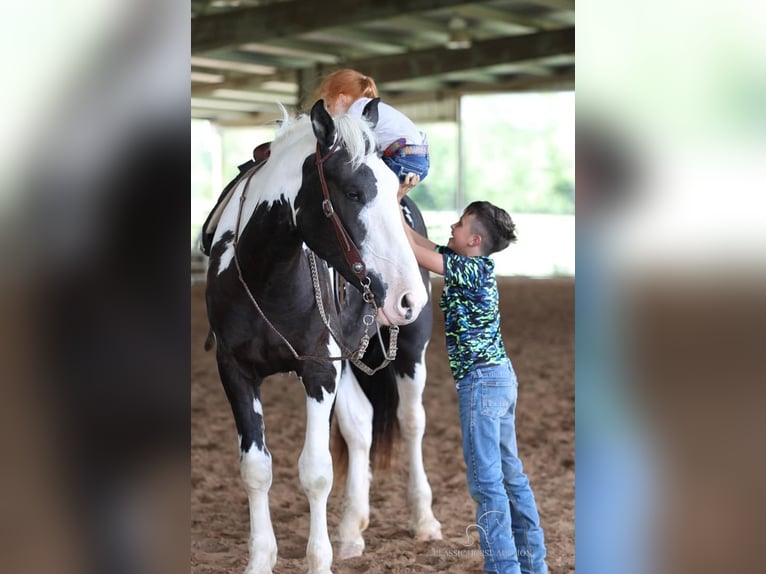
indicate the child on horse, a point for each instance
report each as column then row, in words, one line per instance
column 400, row 144
column 509, row 528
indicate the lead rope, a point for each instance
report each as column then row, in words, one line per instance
column 356, row 356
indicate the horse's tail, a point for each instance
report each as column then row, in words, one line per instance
column 339, row 452
column 380, row 389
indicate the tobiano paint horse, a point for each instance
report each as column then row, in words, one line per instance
column 321, row 212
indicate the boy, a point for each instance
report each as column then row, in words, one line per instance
column 506, row 515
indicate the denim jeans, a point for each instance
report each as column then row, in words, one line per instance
column 506, row 514
column 402, row 164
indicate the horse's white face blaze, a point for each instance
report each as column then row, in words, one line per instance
column 387, row 252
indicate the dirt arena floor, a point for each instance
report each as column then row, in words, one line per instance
column 538, row 327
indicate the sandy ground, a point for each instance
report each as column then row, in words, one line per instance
column 538, row 327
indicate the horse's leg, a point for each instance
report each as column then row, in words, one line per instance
column 412, row 422
column 254, row 460
column 315, row 467
column 354, row 414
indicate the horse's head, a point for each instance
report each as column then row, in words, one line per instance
column 345, row 178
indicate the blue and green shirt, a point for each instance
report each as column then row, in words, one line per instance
column 471, row 312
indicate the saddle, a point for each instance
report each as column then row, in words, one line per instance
column 260, row 155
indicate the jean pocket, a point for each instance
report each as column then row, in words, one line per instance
column 496, row 397
column 418, row 164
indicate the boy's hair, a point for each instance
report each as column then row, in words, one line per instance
column 496, row 227
column 347, row 81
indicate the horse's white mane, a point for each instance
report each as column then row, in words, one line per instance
column 358, row 136
column 354, row 132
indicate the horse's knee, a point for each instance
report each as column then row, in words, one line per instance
column 315, row 475
column 255, row 469
column 412, row 420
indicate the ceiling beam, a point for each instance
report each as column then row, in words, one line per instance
column 555, row 82
column 510, row 20
column 481, row 54
column 557, row 4
column 261, row 23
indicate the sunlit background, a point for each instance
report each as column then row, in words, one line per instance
column 517, row 151
column 670, row 283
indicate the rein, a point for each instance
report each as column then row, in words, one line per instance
column 353, row 258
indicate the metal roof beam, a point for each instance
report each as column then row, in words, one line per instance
column 555, row 82
column 557, row 4
column 481, row 54
column 261, row 23
column 514, row 22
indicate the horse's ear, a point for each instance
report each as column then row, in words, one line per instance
column 324, row 127
column 370, row 112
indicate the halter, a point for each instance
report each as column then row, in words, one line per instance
column 353, row 258
column 349, row 248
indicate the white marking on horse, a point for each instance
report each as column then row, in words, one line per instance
column 316, row 474
column 412, row 422
column 386, row 250
column 354, row 413
column 281, row 176
column 227, row 255
column 255, row 469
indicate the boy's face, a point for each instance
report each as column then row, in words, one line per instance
column 463, row 240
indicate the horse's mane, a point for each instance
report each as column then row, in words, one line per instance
column 356, row 133
column 358, row 136
column 294, row 140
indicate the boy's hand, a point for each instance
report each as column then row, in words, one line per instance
column 410, row 181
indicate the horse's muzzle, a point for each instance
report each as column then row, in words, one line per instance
column 404, row 311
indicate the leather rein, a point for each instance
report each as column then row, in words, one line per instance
column 356, row 264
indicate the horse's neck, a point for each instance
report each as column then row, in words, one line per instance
column 269, row 244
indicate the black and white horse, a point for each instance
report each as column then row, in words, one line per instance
column 272, row 309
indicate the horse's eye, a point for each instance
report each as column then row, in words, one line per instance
column 354, row 195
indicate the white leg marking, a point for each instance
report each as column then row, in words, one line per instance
column 255, row 468
column 315, row 471
column 354, row 414
column 412, row 421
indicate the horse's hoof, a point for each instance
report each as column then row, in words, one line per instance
column 263, row 565
column 258, row 569
column 345, row 550
column 429, row 531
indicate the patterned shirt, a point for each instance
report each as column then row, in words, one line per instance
column 471, row 312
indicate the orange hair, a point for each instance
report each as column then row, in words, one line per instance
column 349, row 82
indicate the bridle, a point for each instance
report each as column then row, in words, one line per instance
column 354, row 259
column 349, row 248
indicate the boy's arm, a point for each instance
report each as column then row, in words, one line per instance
column 424, row 250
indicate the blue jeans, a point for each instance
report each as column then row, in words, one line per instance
column 402, row 164
column 506, row 514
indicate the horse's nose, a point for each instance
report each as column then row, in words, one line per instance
column 405, row 306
